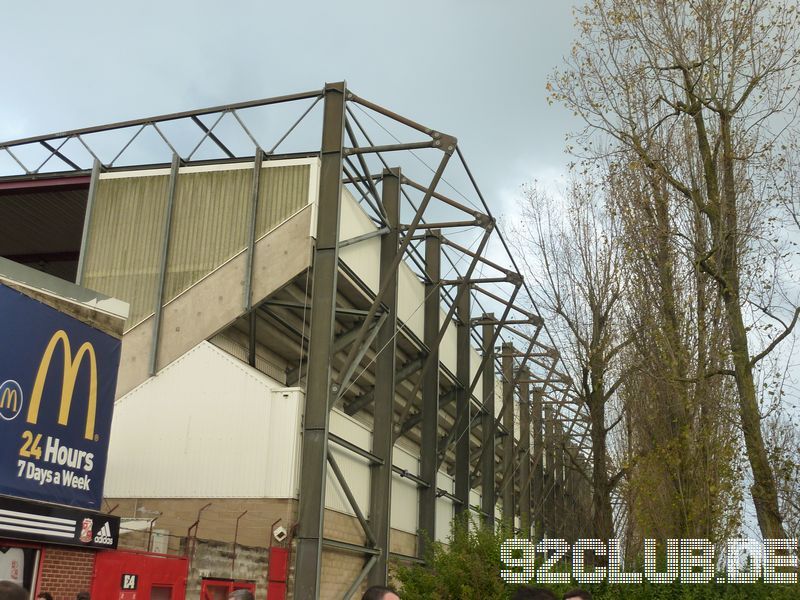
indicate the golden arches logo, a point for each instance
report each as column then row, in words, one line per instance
column 71, row 367
column 9, row 400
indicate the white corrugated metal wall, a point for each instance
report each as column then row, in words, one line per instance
column 210, row 426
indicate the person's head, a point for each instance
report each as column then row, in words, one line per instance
column 82, row 596
column 44, row 596
column 379, row 592
column 241, row 595
column 529, row 593
column 11, row 591
column 577, row 594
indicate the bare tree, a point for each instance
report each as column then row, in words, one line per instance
column 723, row 75
column 572, row 256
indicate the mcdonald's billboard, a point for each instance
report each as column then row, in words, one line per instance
column 58, row 377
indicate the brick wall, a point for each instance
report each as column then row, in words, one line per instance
column 218, row 523
column 65, row 572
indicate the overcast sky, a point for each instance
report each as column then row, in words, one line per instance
column 474, row 69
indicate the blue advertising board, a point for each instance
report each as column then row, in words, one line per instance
column 58, row 377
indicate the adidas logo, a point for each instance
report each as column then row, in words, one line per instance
column 104, row 536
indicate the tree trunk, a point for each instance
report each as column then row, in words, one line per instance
column 601, row 483
column 601, row 495
column 764, row 490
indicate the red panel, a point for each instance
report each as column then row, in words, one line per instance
column 218, row 589
column 279, row 564
column 276, row 590
column 150, row 569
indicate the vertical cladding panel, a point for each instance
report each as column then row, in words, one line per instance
column 474, row 367
column 282, row 192
column 448, row 349
column 355, row 468
column 209, row 225
column 474, row 498
column 125, row 239
column 283, row 431
column 444, row 508
column 405, row 508
column 411, row 298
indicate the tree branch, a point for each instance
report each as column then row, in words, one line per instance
column 777, row 340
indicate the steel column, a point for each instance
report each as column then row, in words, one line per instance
column 558, row 483
column 538, row 463
column 313, row 471
column 251, row 228
column 508, row 440
column 251, row 244
column 87, row 221
column 463, row 421
column 162, row 270
column 382, row 421
column 430, row 395
column 548, row 501
column 525, row 456
column 488, row 499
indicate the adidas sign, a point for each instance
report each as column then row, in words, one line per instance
column 104, row 536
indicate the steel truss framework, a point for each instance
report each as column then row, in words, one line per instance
column 447, row 242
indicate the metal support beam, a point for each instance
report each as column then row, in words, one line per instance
column 346, row 547
column 251, row 244
column 363, row 237
column 162, row 270
column 382, row 421
column 508, row 439
column 463, row 421
column 354, row 586
column 356, row 404
column 429, row 363
column 404, row 246
column 558, row 487
column 251, row 229
column 210, row 135
column 415, row 419
column 313, row 470
column 345, row 378
column 487, row 362
column 350, row 312
column 548, row 499
column 430, row 395
column 538, row 462
column 342, row 341
column 488, row 499
column 251, row 338
column 351, row 499
column 525, row 458
column 87, row 221
column 373, row 460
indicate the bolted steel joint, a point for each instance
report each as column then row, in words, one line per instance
column 446, row 143
column 485, row 221
column 515, row 278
